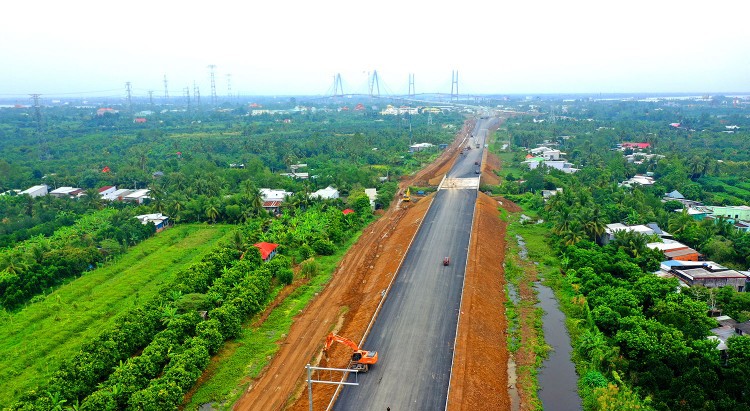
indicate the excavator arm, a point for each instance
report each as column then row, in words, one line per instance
column 358, row 355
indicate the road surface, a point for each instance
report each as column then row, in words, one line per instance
column 415, row 331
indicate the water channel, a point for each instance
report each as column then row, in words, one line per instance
column 557, row 377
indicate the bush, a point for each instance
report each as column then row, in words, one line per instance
column 324, row 247
column 286, row 276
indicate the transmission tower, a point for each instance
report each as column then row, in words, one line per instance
column 166, row 89
column 374, row 84
column 212, row 67
column 454, row 85
column 229, row 86
column 43, row 149
column 130, row 102
column 337, row 86
column 412, row 90
column 151, row 98
column 196, row 94
column 429, row 118
column 187, row 97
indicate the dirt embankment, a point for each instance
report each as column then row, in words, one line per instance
column 348, row 302
column 479, row 375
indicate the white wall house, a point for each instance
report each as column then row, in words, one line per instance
column 328, row 193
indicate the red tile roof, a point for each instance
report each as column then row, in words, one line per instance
column 348, row 211
column 105, row 188
column 266, row 249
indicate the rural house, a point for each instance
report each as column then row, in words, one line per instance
column 267, row 250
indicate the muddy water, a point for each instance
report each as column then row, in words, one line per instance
column 557, row 377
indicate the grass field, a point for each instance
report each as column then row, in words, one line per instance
column 245, row 356
column 34, row 340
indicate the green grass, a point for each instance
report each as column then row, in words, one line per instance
column 247, row 355
column 34, row 340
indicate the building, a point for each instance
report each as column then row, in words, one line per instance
column 273, row 206
column 649, row 229
column 274, row 195
column 635, row 146
column 328, row 193
column 674, row 250
column 267, row 250
column 710, row 275
column 117, row 195
column 372, row 194
column 137, row 196
column 107, row 190
column 552, row 155
column 65, row 192
column 638, row 179
column 160, row 220
column 420, row 147
column 734, row 212
column 36, row 191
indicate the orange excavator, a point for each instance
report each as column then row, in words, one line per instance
column 361, row 359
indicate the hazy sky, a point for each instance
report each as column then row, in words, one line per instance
column 295, row 47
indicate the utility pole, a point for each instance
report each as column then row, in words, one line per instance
column 130, row 102
column 412, row 90
column 374, row 84
column 454, row 82
column 212, row 67
column 166, row 89
column 151, row 98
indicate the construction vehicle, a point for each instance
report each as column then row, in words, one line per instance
column 361, row 359
column 407, row 196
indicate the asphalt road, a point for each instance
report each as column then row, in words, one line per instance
column 415, row 331
column 465, row 166
column 416, row 328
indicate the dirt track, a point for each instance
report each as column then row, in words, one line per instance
column 348, row 301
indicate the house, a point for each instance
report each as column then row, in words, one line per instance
column 160, row 220
column 674, row 250
column 295, row 175
column 274, row 195
column 347, row 211
column 328, row 193
column 267, row 250
column 709, row 274
column 674, row 195
column 723, row 332
column 137, row 196
column 635, row 146
column 546, row 194
column 649, row 229
column 552, row 155
column 105, row 110
column 419, row 147
column 538, row 151
column 107, row 190
column 273, row 206
column 117, row 195
column 65, row 192
column 372, row 194
column 36, row 191
column 139, row 120
column 733, row 212
column 638, row 179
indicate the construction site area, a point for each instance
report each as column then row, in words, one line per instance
column 431, row 313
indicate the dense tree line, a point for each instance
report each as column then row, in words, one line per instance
column 30, row 267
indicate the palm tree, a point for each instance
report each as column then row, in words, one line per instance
column 594, row 225
column 176, row 206
column 13, row 263
column 212, row 211
column 56, row 400
column 93, row 199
